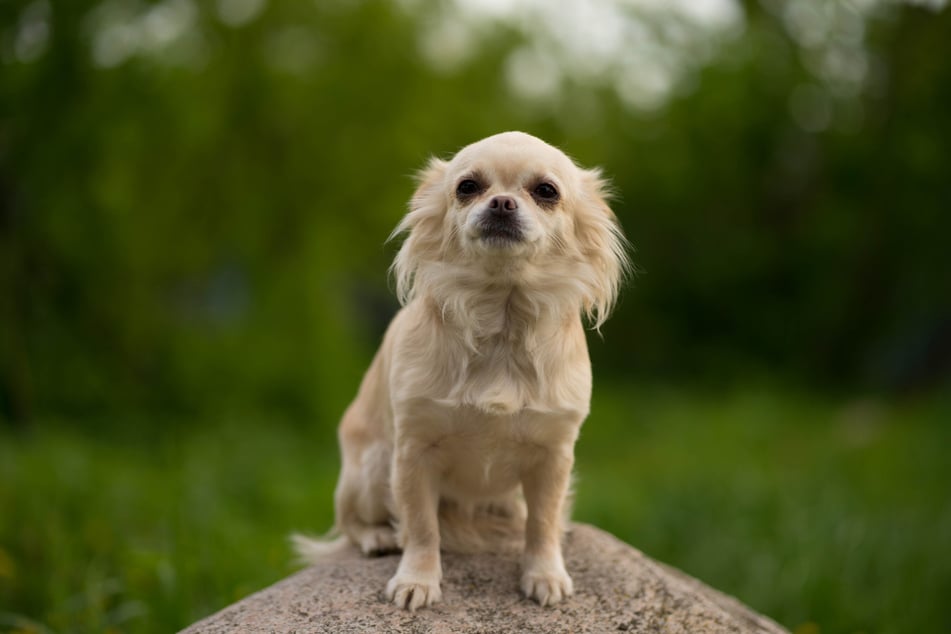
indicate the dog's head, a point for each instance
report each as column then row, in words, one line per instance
column 513, row 208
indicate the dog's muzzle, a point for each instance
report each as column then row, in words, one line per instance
column 499, row 222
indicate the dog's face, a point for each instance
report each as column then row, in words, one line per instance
column 512, row 202
column 510, row 195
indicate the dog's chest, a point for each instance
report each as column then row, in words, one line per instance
column 484, row 455
column 502, row 380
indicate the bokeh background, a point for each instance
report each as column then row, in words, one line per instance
column 194, row 202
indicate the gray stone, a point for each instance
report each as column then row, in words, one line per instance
column 617, row 589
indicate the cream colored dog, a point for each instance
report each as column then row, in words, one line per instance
column 468, row 415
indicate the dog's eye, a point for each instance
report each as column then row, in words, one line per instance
column 545, row 192
column 468, row 187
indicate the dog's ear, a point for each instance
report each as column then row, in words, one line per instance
column 603, row 248
column 424, row 225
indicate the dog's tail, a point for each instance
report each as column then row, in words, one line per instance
column 314, row 550
column 468, row 528
column 464, row 527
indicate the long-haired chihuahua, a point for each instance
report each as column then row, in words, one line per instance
column 462, row 434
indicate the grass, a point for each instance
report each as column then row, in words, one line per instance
column 137, row 534
column 828, row 515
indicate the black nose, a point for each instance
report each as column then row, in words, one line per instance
column 500, row 205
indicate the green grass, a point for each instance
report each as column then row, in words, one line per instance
column 828, row 515
column 148, row 534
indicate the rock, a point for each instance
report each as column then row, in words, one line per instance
column 617, row 589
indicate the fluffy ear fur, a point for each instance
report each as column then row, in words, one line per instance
column 603, row 247
column 426, row 238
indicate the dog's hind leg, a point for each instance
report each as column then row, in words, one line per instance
column 362, row 498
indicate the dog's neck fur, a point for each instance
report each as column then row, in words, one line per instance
column 511, row 331
column 517, row 303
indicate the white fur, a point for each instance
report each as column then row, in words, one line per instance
column 462, row 433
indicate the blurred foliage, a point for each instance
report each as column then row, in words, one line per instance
column 194, row 197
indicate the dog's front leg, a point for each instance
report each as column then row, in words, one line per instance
column 545, row 485
column 416, row 493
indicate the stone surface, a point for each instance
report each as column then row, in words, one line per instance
column 617, row 589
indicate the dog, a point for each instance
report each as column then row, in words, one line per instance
column 462, row 433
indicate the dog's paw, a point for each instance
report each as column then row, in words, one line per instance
column 548, row 588
column 413, row 593
column 378, row 540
